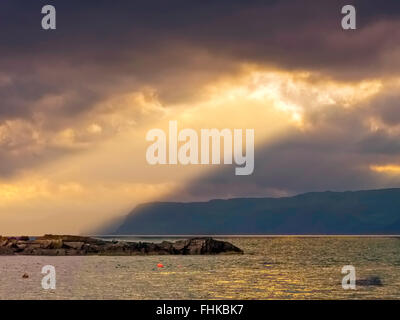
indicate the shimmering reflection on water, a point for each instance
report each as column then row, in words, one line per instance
column 271, row 268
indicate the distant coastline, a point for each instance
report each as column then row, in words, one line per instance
column 367, row 213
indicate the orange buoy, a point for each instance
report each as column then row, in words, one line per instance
column 160, row 265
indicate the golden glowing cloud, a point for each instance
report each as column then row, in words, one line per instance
column 388, row 169
column 108, row 174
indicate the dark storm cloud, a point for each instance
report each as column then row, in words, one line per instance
column 107, row 47
column 148, row 42
column 380, row 142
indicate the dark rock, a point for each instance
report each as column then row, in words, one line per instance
column 205, row 246
column 68, row 238
column 370, row 281
column 5, row 251
column 74, row 245
column 3, row 242
column 73, row 252
column 53, row 245
column 50, row 244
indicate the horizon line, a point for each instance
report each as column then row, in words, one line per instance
column 249, row 235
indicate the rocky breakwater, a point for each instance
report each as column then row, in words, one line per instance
column 66, row 245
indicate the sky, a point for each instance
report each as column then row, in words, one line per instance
column 76, row 102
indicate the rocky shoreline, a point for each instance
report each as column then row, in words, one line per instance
column 67, row 245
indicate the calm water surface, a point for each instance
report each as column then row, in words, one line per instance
column 271, row 268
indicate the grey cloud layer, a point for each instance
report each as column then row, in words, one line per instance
column 100, row 44
column 103, row 47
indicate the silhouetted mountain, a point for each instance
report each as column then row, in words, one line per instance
column 352, row 212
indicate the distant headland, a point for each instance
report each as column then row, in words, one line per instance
column 370, row 212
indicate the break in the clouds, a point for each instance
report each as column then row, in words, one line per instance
column 76, row 101
column 337, row 149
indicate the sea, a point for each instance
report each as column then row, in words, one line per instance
column 272, row 267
